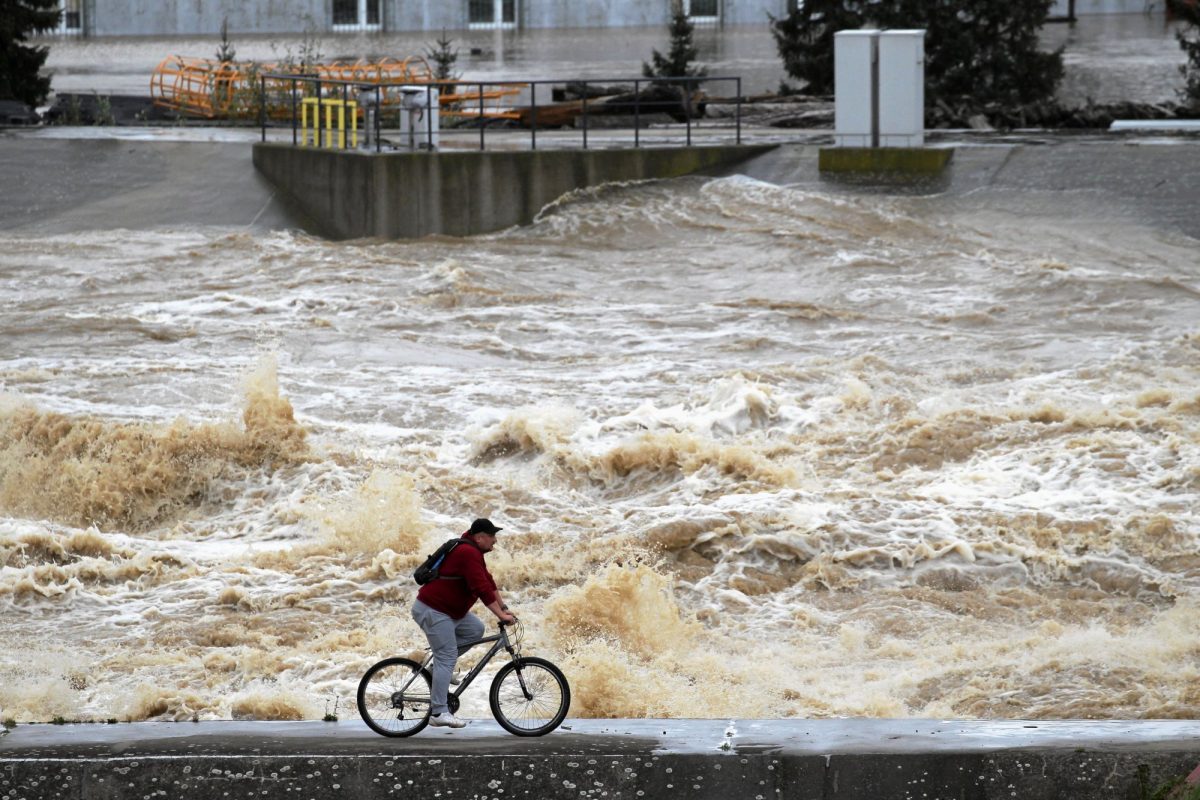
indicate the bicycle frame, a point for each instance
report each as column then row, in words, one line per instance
column 501, row 643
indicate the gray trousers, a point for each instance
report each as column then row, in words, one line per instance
column 446, row 638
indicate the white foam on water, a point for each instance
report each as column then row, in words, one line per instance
column 850, row 455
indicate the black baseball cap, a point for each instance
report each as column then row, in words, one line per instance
column 484, row 526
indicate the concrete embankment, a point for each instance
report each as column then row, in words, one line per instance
column 353, row 194
column 1144, row 179
column 694, row 759
column 64, row 185
column 1149, row 180
column 58, row 185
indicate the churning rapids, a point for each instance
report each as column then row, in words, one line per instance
column 758, row 451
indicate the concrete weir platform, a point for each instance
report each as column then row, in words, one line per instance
column 351, row 194
column 695, row 759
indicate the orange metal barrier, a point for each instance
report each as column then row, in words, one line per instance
column 214, row 89
column 471, row 100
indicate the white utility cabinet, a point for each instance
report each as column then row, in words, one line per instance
column 879, row 88
column 902, row 88
column 854, row 105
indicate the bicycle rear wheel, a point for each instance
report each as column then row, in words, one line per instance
column 393, row 697
column 530, row 697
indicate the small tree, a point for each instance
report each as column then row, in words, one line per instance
column 443, row 56
column 226, row 54
column 20, row 63
column 1189, row 42
column 677, row 63
column 224, row 77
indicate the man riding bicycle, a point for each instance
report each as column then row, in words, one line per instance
column 443, row 610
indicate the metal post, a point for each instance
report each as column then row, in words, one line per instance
column 481, row 123
column 429, row 117
column 293, row 112
column 533, row 115
column 687, row 111
column 637, row 116
column 585, row 93
column 875, row 91
column 262, row 105
column 738, row 111
column 378, row 114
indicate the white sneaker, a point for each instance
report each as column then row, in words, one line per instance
column 447, row 720
column 457, row 678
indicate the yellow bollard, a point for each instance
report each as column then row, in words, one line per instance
column 341, row 109
column 329, row 105
column 314, row 104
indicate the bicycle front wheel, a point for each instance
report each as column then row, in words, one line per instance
column 530, row 697
column 393, row 697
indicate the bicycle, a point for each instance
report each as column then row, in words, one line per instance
column 529, row 696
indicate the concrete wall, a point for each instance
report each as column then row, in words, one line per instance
column 410, row 772
column 593, row 13
column 751, row 12
column 203, row 17
column 352, row 194
column 424, row 15
column 1086, row 7
column 188, row 17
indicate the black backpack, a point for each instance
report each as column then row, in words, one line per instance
column 428, row 571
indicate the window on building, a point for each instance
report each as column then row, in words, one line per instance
column 71, row 21
column 492, row 13
column 355, row 15
column 703, row 11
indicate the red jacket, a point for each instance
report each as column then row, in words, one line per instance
column 452, row 596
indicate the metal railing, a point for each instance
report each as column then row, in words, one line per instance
column 282, row 96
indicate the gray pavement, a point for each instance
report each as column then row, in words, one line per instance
column 608, row 737
column 849, row 758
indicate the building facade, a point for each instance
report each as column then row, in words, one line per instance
column 204, row 17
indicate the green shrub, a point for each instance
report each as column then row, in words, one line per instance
column 104, row 112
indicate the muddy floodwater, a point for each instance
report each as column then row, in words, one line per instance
column 759, row 449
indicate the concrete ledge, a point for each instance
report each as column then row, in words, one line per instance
column 613, row 759
column 924, row 161
column 351, row 194
column 1189, row 125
